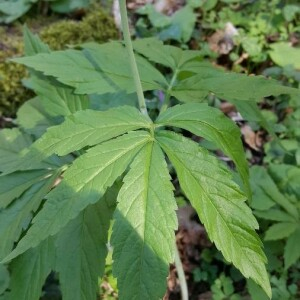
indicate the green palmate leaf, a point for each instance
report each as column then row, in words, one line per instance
column 108, row 101
column 143, row 233
column 274, row 215
column 280, row 231
column 84, row 128
column 287, row 179
column 33, row 44
column 283, row 54
column 255, row 291
column 183, row 21
column 54, row 102
column 93, row 71
column 291, row 250
column 187, row 96
column 5, row 296
column 262, row 197
column 156, row 18
column 220, row 205
column 231, row 86
column 13, row 185
column 67, row 6
column 251, row 112
column 88, row 128
column 197, row 65
column 12, row 10
column 54, row 99
column 18, row 215
column 207, row 5
column 211, row 124
column 118, row 69
column 262, row 182
column 57, row 99
column 12, row 142
column 81, row 249
column 222, row 288
column 84, row 183
column 260, row 200
column 290, row 11
column 4, row 279
column 188, row 69
column 70, row 67
column 33, row 118
column 166, row 55
column 30, row 271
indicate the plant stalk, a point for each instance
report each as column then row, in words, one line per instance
column 134, row 69
column 181, row 276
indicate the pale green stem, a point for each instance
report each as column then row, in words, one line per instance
column 168, row 92
column 181, row 276
column 134, row 69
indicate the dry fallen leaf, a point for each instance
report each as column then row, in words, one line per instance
column 227, row 107
column 252, row 139
column 222, row 40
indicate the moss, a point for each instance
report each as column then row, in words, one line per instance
column 95, row 26
column 12, row 92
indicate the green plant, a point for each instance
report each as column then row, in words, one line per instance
column 282, row 288
column 96, row 26
column 178, row 27
column 223, row 289
column 254, row 27
column 59, row 193
column 282, row 209
column 12, row 10
column 276, row 190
